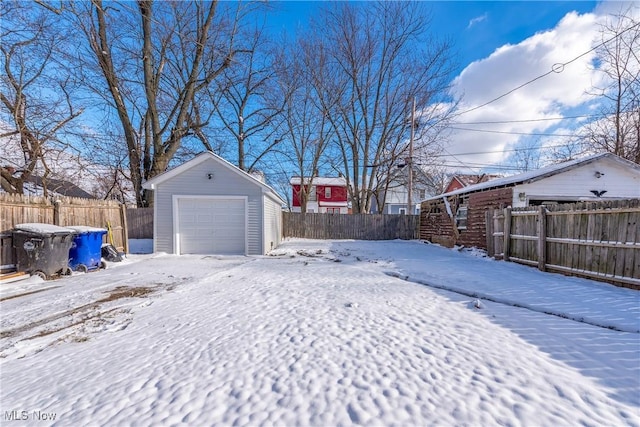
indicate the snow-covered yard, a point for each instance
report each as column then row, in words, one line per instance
column 320, row 333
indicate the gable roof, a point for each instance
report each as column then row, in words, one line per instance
column 200, row 158
column 538, row 174
column 320, row 180
column 468, row 180
column 60, row 186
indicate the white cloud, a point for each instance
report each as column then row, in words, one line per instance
column 510, row 66
column 477, row 20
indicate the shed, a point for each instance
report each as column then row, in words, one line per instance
column 458, row 217
column 209, row 206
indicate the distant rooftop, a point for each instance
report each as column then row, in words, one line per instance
column 320, row 180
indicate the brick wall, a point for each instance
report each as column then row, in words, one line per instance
column 436, row 226
column 479, row 203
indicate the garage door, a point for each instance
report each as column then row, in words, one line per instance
column 211, row 226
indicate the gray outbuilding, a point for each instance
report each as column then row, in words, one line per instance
column 209, row 206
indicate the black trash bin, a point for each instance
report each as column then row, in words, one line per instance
column 42, row 249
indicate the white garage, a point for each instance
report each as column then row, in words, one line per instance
column 209, row 206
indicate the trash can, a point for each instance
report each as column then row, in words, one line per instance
column 86, row 250
column 42, row 249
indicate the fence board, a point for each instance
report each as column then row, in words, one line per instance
column 356, row 226
column 140, row 223
column 600, row 241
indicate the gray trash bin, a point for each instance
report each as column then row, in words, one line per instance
column 42, row 249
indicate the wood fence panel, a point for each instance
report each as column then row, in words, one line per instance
column 596, row 240
column 632, row 264
column 497, row 217
column 356, row 226
column 61, row 211
column 140, row 223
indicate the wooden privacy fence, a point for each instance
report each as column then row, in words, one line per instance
column 62, row 211
column 595, row 240
column 140, row 223
column 356, row 226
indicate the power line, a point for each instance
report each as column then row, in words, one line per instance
column 511, row 133
column 555, row 68
column 497, row 122
column 480, row 165
column 474, row 153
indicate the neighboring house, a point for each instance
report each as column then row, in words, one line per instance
column 396, row 198
column 36, row 184
column 326, row 195
column 460, row 181
column 458, row 217
column 209, row 206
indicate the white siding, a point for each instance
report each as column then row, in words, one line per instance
column 194, row 181
column 254, row 226
column 576, row 184
column 272, row 224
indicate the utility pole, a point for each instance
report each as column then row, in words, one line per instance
column 410, row 162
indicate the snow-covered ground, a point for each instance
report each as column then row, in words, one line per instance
column 320, row 333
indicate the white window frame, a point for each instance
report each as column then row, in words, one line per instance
column 402, row 211
column 327, row 192
column 462, row 215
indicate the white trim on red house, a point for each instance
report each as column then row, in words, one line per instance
column 317, row 180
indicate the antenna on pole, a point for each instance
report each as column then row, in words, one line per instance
column 410, row 161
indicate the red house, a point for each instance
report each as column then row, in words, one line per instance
column 326, row 195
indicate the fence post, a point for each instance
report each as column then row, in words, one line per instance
column 488, row 220
column 542, row 238
column 507, row 233
column 125, row 228
column 57, row 205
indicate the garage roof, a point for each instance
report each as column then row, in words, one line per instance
column 208, row 155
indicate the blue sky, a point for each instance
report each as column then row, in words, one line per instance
column 499, row 46
column 476, row 27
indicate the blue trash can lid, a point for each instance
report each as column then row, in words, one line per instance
column 86, row 229
column 40, row 228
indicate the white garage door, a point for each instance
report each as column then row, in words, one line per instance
column 211, row 226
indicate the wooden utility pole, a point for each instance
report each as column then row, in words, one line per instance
column 410, row 161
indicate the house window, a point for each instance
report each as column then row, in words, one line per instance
column 402, row 211
column 312, row 194
column 461, row 218
column 421, row 194
column 327, row 192
column 333, row 210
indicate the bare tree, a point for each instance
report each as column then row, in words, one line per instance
column 35, row 92
column 155, row 58
column 527, row 156
column 305, row 129
column 618, row 129
column 243, row 100
column 381, row 58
